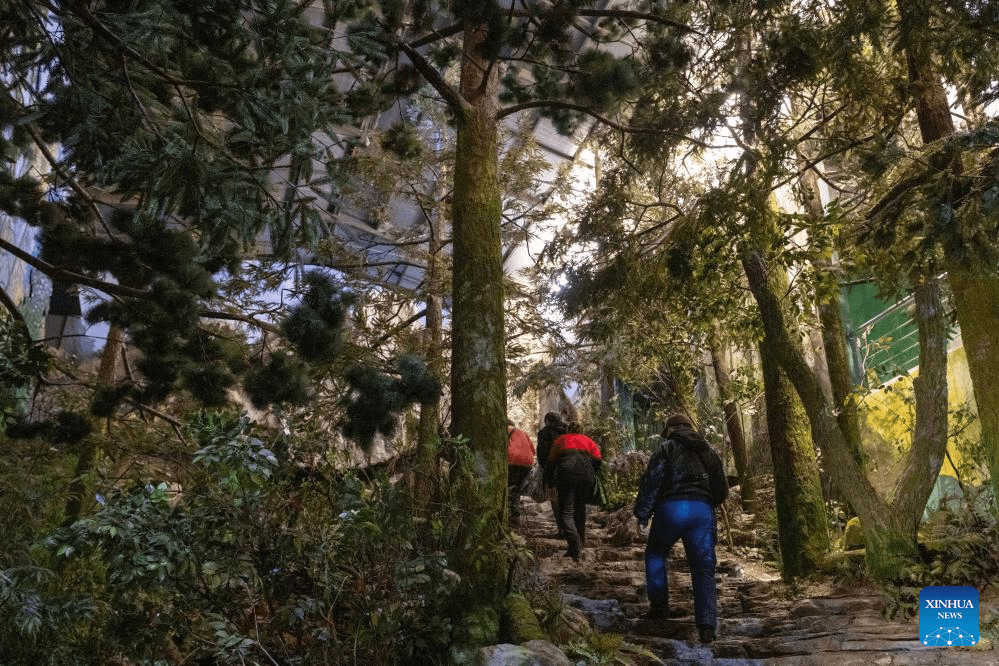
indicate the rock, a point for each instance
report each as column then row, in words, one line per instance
column 622, row 528
column 853, row 535
column 836, row 606
column 603, row 614
column 762, row 621
column 532, row 653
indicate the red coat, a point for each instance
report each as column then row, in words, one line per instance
column 573, row 442
column 519, row 449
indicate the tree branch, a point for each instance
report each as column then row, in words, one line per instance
column 443, row 33
column 74, row 278
column 36, row 136
column 231, row 316
column 560, row 104
column 451, row 96
column 619, row 14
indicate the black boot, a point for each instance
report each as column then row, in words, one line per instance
column 657, row 612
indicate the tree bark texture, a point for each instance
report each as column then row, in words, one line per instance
column 975, row 295
column 478, row 372
column 88, row 447
column 834, row 335
column 733, row 425
column 801, row 514
column 884, row 532
column 974, row 285
column 929, row 441
column 428, row 435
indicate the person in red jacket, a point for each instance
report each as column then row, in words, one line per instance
column 520, row 459
column 573, row 463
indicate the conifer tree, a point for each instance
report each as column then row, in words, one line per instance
column 539, row 57
column 174, row 141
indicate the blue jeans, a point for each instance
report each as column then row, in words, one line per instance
column 693, row 522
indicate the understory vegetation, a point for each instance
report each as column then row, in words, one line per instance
column 237, row 554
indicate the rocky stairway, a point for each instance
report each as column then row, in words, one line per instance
column 760, row 623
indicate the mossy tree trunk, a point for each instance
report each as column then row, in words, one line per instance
column 975, row 294
column 925, row 457
column 890, row 529
column 827, row 303
column 974, row 283
column 428, row 436
column 478, row 372
column 801, row 517
column 733, row 425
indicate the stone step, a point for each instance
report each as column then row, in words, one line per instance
column 758, row 624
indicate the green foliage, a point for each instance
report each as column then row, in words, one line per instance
column 315, row 325
column 960, row 546
column 403, row 141
column 622, row 475
column 377, row 398
column 243, row 555
column 67, row 427
column 284, row 379
column 21, row 362
column 603, row 79
column 901, row 601
column 606, row 649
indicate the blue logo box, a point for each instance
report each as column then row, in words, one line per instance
column 948, row 616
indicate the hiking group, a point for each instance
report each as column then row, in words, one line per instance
column 682, row 486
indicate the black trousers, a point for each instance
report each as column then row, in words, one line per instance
column 514, row 477
column 575, row 488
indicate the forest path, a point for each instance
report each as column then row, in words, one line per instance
column 759, row 622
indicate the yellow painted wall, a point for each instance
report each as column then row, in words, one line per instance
column 888, row 420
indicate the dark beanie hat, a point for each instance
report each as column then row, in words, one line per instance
column 679, row 420
column 553, row 418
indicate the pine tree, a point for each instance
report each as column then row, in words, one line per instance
column 532, row 58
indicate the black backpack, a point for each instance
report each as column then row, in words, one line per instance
column 695, row 471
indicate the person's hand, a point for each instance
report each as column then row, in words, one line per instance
column 641, row 527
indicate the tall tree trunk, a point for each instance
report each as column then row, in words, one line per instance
column 801, row 515
column 929, row 442
column 428, row 435
column 974, row 286
column 88, row 447
column 975, row 295
column 733, row 425
column 827, row 301
column 478, row 372
column 890, row 534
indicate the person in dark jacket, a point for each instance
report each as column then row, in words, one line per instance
column 574, row 460
column 553, row 428
column 675, row 492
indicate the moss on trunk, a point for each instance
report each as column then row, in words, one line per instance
column 478, row 371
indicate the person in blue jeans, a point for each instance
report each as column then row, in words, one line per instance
column 676, row 493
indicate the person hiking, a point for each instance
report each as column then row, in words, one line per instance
column 572, row 466
column 553, row 428
column 681, row 487
column 520, row 459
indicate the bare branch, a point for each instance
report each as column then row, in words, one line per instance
column 561, row 104
column 451, row 96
